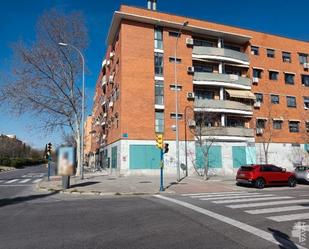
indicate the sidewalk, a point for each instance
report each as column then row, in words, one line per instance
column 138, row 185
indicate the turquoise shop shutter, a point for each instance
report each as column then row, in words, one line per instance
column 144, row 157
column 214, row 157
column 239, row 156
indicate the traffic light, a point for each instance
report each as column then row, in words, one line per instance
column 49, row 147
column 166, row 148
column 159, row 141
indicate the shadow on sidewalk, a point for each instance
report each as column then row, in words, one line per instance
column 17, row 200
column 283, row 239
column 83, row 184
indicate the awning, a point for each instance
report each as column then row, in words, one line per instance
column 294, row 120
column 242, row 94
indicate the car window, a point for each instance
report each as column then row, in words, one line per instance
column 275, row 168
column 246, row 168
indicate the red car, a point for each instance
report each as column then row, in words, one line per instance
column 260, row 175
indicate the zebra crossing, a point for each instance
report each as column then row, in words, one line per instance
column 273, row 206
column 25, row 179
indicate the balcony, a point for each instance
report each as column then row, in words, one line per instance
column 229, row 80
column 227, row 131
column 222, row 106
column 223, row 54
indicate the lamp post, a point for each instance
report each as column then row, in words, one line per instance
column 186, row 147
column 176, row 99
column 81, row 156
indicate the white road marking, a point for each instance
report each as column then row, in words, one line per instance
column 269, row 203
column 240, row 225
column 219, row 195
column 288, row 217
column 25, row 180
column 235, row 192
column 253, row 199
column 37, row 180
column 275, row 210
column 11, row 181
column 232, row 197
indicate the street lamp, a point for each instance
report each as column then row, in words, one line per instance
column 81, row 156
column 176, row 99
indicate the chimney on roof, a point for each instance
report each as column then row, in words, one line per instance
column 152, row 4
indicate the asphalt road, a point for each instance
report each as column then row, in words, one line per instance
column 42, row 220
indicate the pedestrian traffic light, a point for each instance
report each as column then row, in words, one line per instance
column 159, row 141
column 166, row 148
column 49, row 147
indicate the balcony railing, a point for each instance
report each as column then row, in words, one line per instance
column 223, row 53
column 224, row 78
column 227, row 131
column 221, row 104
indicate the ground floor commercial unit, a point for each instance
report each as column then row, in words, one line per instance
column 142, row 157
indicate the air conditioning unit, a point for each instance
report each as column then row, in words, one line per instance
column 259, row 131
column 190, row 69
column 191, row 123
column 104, row 137
column 111, row 54
column 103, row 123
column 105, row 115
column 190, row 95
column 255, row 80
column 108, row 62
column 257, row 104
column 111, row 79
column 306, row 65
column 111, row 104
column 189, row 41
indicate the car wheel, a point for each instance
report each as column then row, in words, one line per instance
column 260, row 183
column 292, row 182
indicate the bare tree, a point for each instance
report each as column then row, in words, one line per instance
column 204, row 142
column 45, row 81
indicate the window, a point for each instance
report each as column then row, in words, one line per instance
column 159, row 64
column 259, row 97
column 159, row 121
column 174, row 33
column 159, row 92
column 286, row 57
column 307, row 126
column 232, row 47
column 158, row 39
column 303, row 58
column 274, row 99
column 173, row 115
column 260, row 123
column 277, row 124
column 270, row 53
column 257, row 73
column 233, row 70
column 203, row 43
column 203, row 68
column 291, row 101
column 172, row 60
column 289, row 78
column 293, row 126
column 306, row 102
column 254, row 50
column 305, row 79
column 273, row 75
column 204, row 94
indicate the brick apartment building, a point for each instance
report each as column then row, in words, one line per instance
column 246, row 90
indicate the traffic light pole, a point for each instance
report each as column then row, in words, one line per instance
column 48, row 169
column 161, row 170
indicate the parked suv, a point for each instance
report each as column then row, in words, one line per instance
column 260, row 175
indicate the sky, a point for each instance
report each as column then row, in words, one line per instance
column 18, row 19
